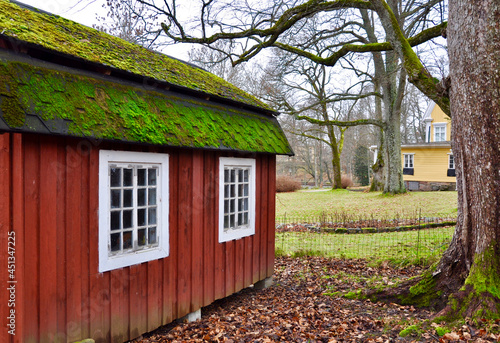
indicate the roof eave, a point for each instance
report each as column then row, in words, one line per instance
column 39, row 52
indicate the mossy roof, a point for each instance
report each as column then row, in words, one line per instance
column 60, row 35
column 41, row 97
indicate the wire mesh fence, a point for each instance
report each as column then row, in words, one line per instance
column 400, row 239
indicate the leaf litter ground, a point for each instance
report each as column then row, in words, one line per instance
column 303, row 306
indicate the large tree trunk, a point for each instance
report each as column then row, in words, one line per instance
column 378, row 169
column 474, row 44
column 467, row 278
column 393, row 90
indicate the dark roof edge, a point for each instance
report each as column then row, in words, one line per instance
column 4, row 128
column 443, row 144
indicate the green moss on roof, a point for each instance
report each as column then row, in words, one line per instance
column 65, row 36
column 78, row 105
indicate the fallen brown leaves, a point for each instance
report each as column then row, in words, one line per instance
column 296, row 309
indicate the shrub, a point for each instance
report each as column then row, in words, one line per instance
column 346, row 181
column 287, row 184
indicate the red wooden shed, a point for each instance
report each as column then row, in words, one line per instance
column 134, row 188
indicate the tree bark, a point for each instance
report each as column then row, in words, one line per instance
column 466, row 281
column 393, row 89
column 474, row 43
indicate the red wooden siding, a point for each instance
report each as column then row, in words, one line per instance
column 49, row 198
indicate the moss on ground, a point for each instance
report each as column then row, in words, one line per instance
column 479, row 298
column 424, row 293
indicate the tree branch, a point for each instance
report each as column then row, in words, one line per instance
column 342, row 123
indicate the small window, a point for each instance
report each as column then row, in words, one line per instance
column 451, row 162
column 451, row 166
column 133, row 208
column 236, row 198
column 408, row 160
column 408, row 164
column 440, row 133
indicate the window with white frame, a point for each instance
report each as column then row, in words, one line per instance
column 439, row 132
column 451, row 161
column 133, row 208
column 236, row 198
column 408, row 160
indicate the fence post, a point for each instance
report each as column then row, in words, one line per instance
column 418, row 232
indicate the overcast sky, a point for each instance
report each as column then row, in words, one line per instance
column 84, row 12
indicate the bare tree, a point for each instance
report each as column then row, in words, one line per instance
column 214, row 60
column 413, row 111
column 466, row 279
column 132, row 21
column 308, row 94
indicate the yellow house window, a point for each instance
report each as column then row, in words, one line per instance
column 408, row 164
column 440, row 133
column 408, row 160
column 451, row 166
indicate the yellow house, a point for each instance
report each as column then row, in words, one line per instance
column 430, row 165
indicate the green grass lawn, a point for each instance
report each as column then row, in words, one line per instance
column 422, row 246
column 366, row 205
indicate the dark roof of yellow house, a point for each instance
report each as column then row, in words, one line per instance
column 45, row 96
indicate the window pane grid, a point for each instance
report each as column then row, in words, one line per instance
column 408, row 161
column 439, row 133
column 451, row 162
column 133, row 208
column 236, row 197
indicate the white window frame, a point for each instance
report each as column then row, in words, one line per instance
column 407, row 159
column 428, row 132
column 249, row 229
column 440, row 126
column 451, row 161
column 110, row 261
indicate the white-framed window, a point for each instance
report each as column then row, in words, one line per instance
column 451, row 161
column 439, row 132
column 408, row 160
column 236, row 198
column 133, row 208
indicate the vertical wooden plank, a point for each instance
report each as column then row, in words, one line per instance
column 184, row 241
column 61, row 241
column 219, row 248
column 256, row 253
column 7, row 242
column 263, row 208
column 247, row 276
column 18, row 214
column 209, row 226
column 119, row 305
column 239, row 258
column 138, row 316
column 271, row 227
column 198, row 236
column 31, row 241
column 83, row 148
column 48, row 239
column 230, row 268
column 154, row 296
column 170, row 263
column 73, row 244
column 99, row 311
